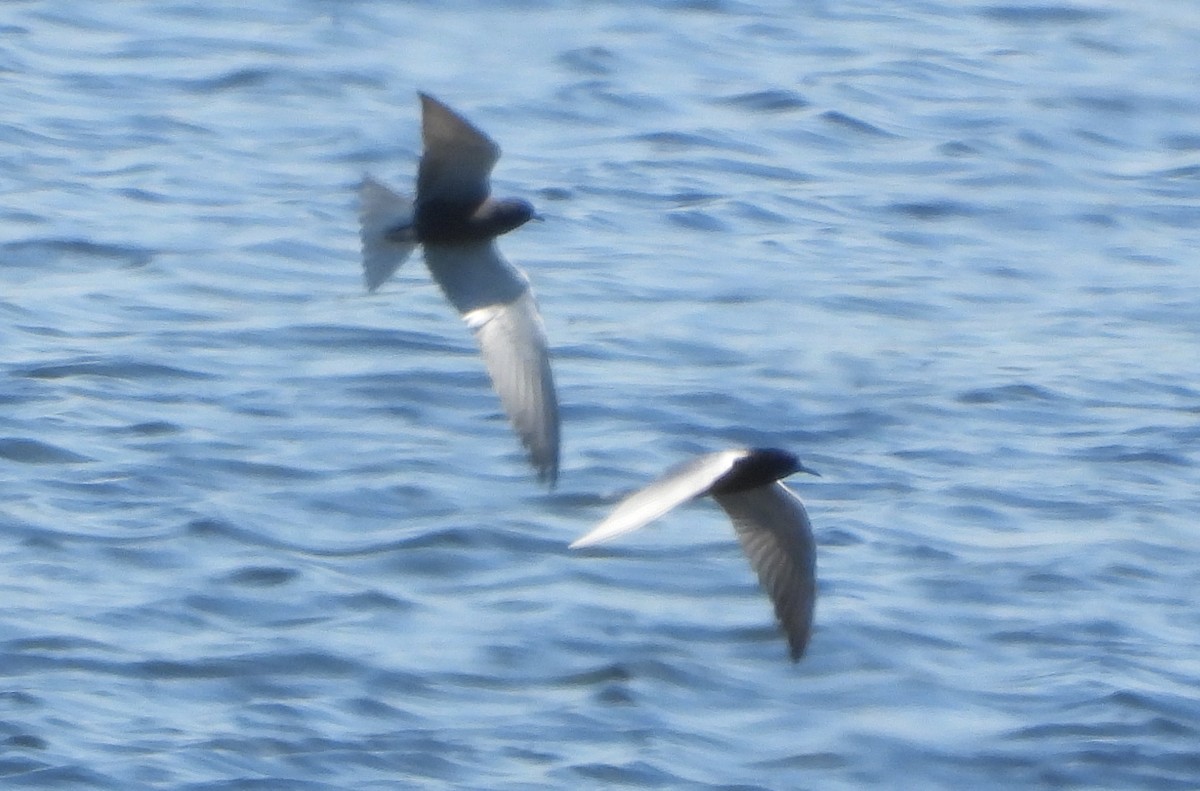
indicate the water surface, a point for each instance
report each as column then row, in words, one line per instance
column 263, row 530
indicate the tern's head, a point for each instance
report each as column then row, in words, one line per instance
column 759, row 467
column 503, row 215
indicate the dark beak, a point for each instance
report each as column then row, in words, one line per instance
column 809, row 470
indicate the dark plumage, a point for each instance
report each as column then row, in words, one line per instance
column 456, row 220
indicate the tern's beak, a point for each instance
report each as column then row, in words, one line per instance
column 809, row 470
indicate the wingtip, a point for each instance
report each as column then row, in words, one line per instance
column 796, row 652
column 431, row 102
column 597, row 535
column 582, row 542
column 548, row 470
column 541, row 453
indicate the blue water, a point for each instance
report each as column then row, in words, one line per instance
column 262, row 530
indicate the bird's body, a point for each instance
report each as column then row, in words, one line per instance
column 456, row 221
column 770, row 522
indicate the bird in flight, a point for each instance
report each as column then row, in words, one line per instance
column 770, row 522
column 456, row 221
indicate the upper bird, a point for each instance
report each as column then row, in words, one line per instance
column 769, row 519
column 456, row 220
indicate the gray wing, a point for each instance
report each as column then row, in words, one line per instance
column 777, row 537
column 457, row 162
column 380, row 213
column 495, row 300
column 675, row 487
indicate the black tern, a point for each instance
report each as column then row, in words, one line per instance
column 769, row 519
column 456, row 221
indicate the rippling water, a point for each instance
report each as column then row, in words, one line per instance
column 262, row 530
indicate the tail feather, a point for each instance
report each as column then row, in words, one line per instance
column 381, row 212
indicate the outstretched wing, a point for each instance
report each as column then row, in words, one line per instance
column 777, row 537
column 495, row 300
column 381, row 212
column 457, row 162
column 675, row 487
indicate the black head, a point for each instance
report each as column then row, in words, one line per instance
column 759, row 467
column 502, row 216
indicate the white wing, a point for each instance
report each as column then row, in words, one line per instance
column 380, row 211
column 495, row 300
column 675, row 487
column 777, row 537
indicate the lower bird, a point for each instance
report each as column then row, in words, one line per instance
column 456, row 221
column 769, row 519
